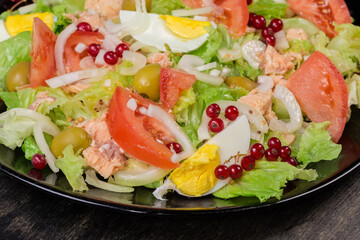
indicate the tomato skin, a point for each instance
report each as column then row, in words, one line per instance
column 235, row 17
column 72, row 59
column 321, row 92
column 172, row 83
column 128, row 129
column 312, row 10
column 42, row 65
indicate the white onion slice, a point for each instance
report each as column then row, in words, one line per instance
column 91, row 179
column 225, row 72
column 201, row 18
column 206, row 67
column 228, row 55
column 250, row 51
column 191, row 12
column 292, row 106
column 281, row 41
column 27, row 9
column 100, row 57
column 132, row 104
column 216, row 10
column 265, row 83
column 159, row 114
column 80, row 48
column 108, row 44
column 135, row 25
column 49, row 128
column 87, row 63
column 188, row 63
column 254, row 117
column 137, row 59
column 215, row 73
column 75, row 76
column 59, row 47
column 136, row 46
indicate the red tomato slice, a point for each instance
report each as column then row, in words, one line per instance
column 321, row 91
column 235, row 17
column 322, row 13
column 42, row 65
column 72, row 58
column 172, row 83
column 133, row 131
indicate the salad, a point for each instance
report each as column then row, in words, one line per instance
column 225, row 98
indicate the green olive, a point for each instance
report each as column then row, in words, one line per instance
column 243, row 82
column 75, row 136
column 130, row 5
column 18, row 76
column 147, row 81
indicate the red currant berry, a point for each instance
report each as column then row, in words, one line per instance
column 111, row 57
column 35, row 173
column 271, row 154
column 284, row 152
column 251, row 18
column 84, row 27
column 271, row 40
column 175, row 146
column 267, row 31
column 38, row 161
column 231, row 113
column 290, row 160
column 257, row 151
column 274, row 142
column 235, row 171
column 259, row 22
column 221, row 172
column 276, row 25
column 216, row 125
column 93, row 49
column 248, row 163
column 249, row 2
column 213, row 110
column 121, row 48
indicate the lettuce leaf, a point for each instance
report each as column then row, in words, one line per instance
column 30, row 147
column 13, row 50
column 268, row 8
column 266, row 180
column 315, row 144
column 210, row 48
column 300, row 46
column 165, row 6
column 72, row 165
column 298, row 22
column 353, row 86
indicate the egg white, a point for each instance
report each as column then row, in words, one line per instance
column 157, row 34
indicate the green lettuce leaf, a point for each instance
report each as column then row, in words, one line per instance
column 72, row 165
column 13, row 50
column 165, row 6
column 300, row 46
column 5, row 14
column 266, row 180
column 244, row 69
column 268, row 8
column 30, row 147
column 302, row 23
column 210, row 48
column 315, row 144
column 353, row 86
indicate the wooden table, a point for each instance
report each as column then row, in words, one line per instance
column 332, row 213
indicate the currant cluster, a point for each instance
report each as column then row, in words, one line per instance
column 215, row 124
column 267, row 32
column 110, row 57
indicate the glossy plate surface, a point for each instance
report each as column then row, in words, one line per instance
column 142, row 200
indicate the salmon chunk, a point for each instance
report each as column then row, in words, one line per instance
column 273, row 62
column 162, row 59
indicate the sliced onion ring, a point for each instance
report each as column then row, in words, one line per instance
column 138, row 60
column 292, row 106
column 265, row 83
column 161, row 115
column 59, row 47
column 255, row 118
column 191, row 12
column 75, row 76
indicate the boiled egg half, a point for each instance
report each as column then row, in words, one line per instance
column 181, row 34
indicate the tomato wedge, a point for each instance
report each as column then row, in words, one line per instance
column 322, row 13
column 320, row 89
column 42, row 65
column 72, row 58
column 172, row 83
column 235, row 17
column 134, row 132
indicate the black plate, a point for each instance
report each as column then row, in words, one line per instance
column 142, row 200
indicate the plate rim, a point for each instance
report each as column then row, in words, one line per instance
column 158, row 211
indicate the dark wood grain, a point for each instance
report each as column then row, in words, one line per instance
column 332, row 213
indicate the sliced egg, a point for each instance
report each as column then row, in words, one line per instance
column 20, row 23
column 195, row 177
column 3, row 33
column 181, row 34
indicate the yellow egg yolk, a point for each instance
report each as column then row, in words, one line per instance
column 195, row 176
column 20, row 23
column 185, row 27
